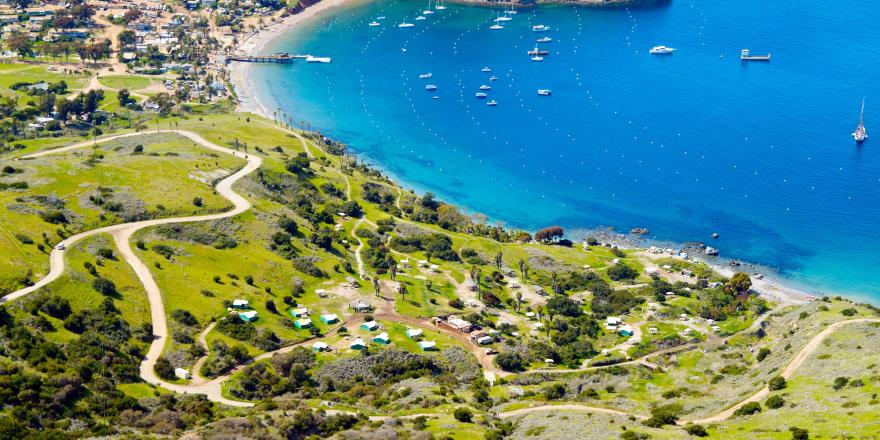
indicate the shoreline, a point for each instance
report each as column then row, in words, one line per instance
column 254, row 43
column 772, row 286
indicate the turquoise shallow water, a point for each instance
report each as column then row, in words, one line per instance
column 685, row 145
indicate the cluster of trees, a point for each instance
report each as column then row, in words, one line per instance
column 236, row 328
column 434, row 245
column 289, row 373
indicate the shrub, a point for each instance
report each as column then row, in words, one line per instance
column 777, row 383
column 762, row 354
column 24, row 239
column 53, row 216
column 164, row 369
column 799, row 434
column 748, row 409
column 663, row 415
column 696, row 430
column 56, row 307
column 184, row 317
column 774, row 402
column 840, row 382
column 849, row 312
column 633, row 435
column 164, row 250
column 509, row 361
column 104, row 286
column 621, row 271
column 554, row 391
column 106, row 253
column 463, row 415
column 197, row 202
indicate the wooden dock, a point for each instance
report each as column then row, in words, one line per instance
column 282, row 57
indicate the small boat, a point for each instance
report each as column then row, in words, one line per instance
column 715, row 235
column 861, row 133
column 537, row 58
column 430, row 87
column 485, row 69
column 745, row 55
column 661, row 50
column 540, row 28
column 493, row 78
column 492, row 103
column 503, row 18
column 544, row 40
column 426, row 75
column 496, row 27
column 374, row 23
column 311, row 59
column 435, row 97
column 485, row 87
column 428, row 11
column 405, row 25
column 537, row 51
column 381, row 17
column 544, row 92
column 480, row 95
column 440, row 6
column 421, row 17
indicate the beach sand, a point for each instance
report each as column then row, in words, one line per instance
column 253, row 44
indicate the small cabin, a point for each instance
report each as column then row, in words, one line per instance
column 358, row 344
column 182, row 373
column 382, row 338
column 370, row 326
column 625, row 330
column 299, row 312
column 428, row 345
column 413, row 333
column 302, row 323
column 329, row 318
column 249, row 316
column 240, row 304
column 320, row 346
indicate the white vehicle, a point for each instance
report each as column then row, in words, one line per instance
column 61, row 247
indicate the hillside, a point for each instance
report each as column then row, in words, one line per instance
column 369, row 311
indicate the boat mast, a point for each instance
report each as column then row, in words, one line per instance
column 862, row 115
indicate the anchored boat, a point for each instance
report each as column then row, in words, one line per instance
column 861, row 133
column 745, row 55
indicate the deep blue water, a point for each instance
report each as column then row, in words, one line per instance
column 685, row 145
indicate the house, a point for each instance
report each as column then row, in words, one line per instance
column 428, row 345
column 358, row 344
column 413, row 333
column 182, row 373
column 459, row 324
column 613, row 321
column 382, row 338
column 249, row 316
column 299, row 312
column 320, row 346
column 329, row 318
column 625, row 330
column 240, row 304
column 302, row 323
column 370, row 326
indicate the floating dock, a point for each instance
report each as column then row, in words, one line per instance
column 745, row 55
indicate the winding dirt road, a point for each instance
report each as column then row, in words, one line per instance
column 122, row 234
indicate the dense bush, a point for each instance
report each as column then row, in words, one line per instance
column 509, row 361
column 748, row 409
column 621, row 271
column 774, row 402
column 777, row 383
column 184, row 317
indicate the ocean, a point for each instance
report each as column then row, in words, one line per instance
column 686, row 145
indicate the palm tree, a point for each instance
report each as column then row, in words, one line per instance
column 499, row 259
column 376, row 286
column 475, row 277
column 402, row 290
column 522, row 268
column 554, row 281
column 519, row 298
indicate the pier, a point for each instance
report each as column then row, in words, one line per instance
column 281, row 57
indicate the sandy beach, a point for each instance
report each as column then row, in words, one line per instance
column 253, row 44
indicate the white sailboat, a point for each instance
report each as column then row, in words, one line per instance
column 440, row 5
column 861, row 133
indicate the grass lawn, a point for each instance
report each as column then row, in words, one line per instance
column 130, row 82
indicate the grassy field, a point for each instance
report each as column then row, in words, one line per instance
column 129, row 186
column 130, row 82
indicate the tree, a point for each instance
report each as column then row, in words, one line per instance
column 376, row 286
column 663, row 415
column 126, row 38
column 509, row 361
column 738, row 283
column 463, row 415
column 288, row 225
column 549, row 234
column 197, row 201
column 270, row 306
column 402, row 291
column 499, row 260
column 621, row 271
column 104, row 286
column 774, row 402
column 164, row 369
column 799, row 433
column 124, row 98
column 696, row 430
column 523, row 269
column 20, row 43
column 475, row 277
column 748, row 409
column 777, row 383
